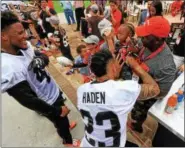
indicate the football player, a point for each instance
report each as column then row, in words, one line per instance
column 105, row 103
column 24, row 77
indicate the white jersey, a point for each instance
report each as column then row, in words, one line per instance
column 15, row 70
column 104, row 108
column 5, row 4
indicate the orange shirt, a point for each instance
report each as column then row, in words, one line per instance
column 117, row 16
column 86, row 59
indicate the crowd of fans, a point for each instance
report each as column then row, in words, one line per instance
column 112, row 49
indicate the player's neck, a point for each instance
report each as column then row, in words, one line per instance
column 9, row 50
column 102, row 79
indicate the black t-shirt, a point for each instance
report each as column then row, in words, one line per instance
column 93, row 22
column 179, row 49
column 47, row 26
column 61, row 34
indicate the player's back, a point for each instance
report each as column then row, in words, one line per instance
column 104, row 108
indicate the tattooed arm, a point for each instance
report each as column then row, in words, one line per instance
column 149, row 88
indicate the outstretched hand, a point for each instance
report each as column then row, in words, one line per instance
column 119, row 64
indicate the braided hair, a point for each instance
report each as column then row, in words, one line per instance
column 131, row 28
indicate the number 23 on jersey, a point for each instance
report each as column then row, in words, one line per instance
column 98, row 120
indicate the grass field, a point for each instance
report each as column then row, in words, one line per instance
column 59, row 8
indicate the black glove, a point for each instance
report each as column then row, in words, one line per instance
column 42, row 56
column 38, row 65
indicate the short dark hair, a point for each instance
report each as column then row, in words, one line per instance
column 79, row 48
column 99, row 62
column 8, row 18
column 113, row 1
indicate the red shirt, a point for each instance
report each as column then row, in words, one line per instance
column 117, row 16
column 87, row 57
column 50, row 4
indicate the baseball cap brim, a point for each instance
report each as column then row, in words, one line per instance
column 105, row 29
column 141, row 31
column 89, row 41
column 86, row 40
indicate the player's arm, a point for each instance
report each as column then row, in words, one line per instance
column 110, row 41
column 79, row 65
column 23, row 93
column 149, row 88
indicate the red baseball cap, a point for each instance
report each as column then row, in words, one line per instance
column 157, row 26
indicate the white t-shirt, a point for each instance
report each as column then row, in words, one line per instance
column 15, row 70
column 104, row 108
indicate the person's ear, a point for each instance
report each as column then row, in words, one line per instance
column 130, row 34
column 4, row 36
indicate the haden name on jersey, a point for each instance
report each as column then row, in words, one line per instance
column 94, row 97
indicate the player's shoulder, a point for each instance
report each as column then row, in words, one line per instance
column 128, row 85
column 12, row 71
column 126, row 92
column 83, row 87
column 29, row 52
column 14, row 64
column 10, row 65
